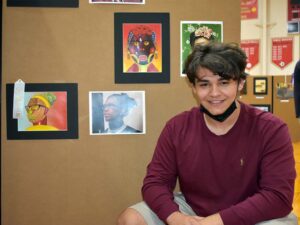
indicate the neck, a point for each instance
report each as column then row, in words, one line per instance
column 113, row 125
column 221, row 128
column 42, row 122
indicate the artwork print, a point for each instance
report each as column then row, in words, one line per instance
column 142, row 47
column 197, row 32
column 114, row 112
column 260, row 86
column 284, row 90
column 142, row 50
column 49, row 111
column 44, row 111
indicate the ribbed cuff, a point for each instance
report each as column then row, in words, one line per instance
column 166, row 210
column 228, row 217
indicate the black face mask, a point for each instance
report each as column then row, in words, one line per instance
column 220, row 117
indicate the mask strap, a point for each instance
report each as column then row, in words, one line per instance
column 221, row 117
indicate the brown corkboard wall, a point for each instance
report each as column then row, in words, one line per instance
column 89, row 180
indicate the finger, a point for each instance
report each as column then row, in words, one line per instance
column 198, row 218
column 193, row 222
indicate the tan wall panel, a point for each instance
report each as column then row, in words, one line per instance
column 286, row 110
column 89, row 180
column 257, row 99
column 283, row 110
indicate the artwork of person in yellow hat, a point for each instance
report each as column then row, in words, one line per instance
column 37, row 109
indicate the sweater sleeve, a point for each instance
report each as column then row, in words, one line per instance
column 161, row 176
column 275, row 181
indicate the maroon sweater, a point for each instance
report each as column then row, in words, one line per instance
column 247, row 175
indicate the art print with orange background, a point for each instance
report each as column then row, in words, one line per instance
column 140, row 51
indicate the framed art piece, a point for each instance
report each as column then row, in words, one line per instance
column 117, row 112
column 142, row 48
column 260, row 85
column 293, row 27
column 50, row 111
column 284, row 90
column 263, row 107
column 43, row 3
column 197, row 32
column 118, row 1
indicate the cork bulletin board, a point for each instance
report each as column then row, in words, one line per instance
column 88, row 180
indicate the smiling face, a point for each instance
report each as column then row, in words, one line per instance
column 215, row 93
column 36, row 110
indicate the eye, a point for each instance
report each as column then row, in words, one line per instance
column 146, row 43
column 203, row 84
column 136, row 43
column 224, row 82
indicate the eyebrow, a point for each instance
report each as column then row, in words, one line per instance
column 204, row 80
column 201, row 80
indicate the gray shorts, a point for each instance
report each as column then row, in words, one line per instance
column 152, row 219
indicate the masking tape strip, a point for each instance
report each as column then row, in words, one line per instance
column 18, row 104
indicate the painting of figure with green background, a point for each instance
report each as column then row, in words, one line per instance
column 197, row 32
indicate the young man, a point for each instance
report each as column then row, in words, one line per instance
column 234, row 163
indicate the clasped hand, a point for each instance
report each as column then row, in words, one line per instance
column 178, row 218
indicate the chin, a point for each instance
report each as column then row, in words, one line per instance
column 215, row 110
column 215, row 113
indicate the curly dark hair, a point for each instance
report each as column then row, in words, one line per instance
column 227, row 60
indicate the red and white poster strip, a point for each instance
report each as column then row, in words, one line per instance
column 251, row 48
column 249, row 9
column 282, row 51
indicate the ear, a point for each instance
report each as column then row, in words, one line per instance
column 241, row 84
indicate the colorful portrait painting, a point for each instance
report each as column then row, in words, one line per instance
column 114, row 112
column 44, row 111
column 195, row 33
column 142, row 48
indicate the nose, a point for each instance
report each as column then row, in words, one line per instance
column 214, row 90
